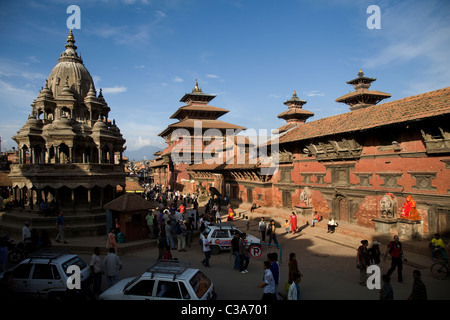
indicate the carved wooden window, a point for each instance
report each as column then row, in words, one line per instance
column 423, row 180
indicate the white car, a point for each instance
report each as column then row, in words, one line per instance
column 165, row 280
column 221, row 235
column 45, row 274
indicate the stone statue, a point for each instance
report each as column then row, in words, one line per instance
column 409, row 210
column 387, row 205
column 305, row 197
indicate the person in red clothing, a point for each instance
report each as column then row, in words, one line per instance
column 395, row 250
column 293, row 223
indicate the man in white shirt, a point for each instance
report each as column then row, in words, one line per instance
column 96, row 265
column 269, row 284
column 26, row 232
column 206, row 249
column 112, row 265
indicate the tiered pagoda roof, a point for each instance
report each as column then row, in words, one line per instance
column 197, row 109
column 362, row 97
column 295, row 114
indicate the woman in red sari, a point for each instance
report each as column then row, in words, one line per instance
column 293, row 223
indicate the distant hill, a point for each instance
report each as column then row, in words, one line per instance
column 142, row 153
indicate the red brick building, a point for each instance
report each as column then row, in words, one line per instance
column 357, row 167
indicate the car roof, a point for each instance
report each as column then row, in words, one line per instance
column 49, row 256
column 170, row 269
column 224, row 225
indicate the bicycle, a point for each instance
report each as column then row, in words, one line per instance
column 440, row 270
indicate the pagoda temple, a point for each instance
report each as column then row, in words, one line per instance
column 362, row 97
column 198, row 136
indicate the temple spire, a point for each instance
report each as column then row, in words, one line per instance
column 70, row 53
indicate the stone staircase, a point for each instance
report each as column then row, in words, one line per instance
column 78, row 223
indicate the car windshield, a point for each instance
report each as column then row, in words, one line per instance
column 130, row 283
column 74, row 261
column 200, row 283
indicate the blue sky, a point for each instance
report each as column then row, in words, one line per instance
column 146, row 55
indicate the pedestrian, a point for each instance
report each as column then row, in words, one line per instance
column 293, row 222
column 419, row 291
column 287, row 226
column 206, row 250
column 363, row 261
column 112, row 265
column 262, row 228
column 275, row 268
column 230, row 214
column 247, row 223
column 395, row 250
column 293, row 267
column 271, row 232
column 111, row 241
column 97, row 271
column 181, row 235
column 294, row 288
column 375, row 253
column 167, row 255
column 149, row 219
column 26, row 233
column 188, row 223
column 218, row 217
column 269, row 284
column 243, row 254
column 60, row 228
column 235, row 251
column 169, row 234
column 386, row 292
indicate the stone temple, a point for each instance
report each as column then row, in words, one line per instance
column 70, row 153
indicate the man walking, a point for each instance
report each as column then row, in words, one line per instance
column 272, row 233
column 60, row 228
column 394, row 248
column 206, row 249
column 262, row 228
column 112, row 266
column 96, row 265
column 243, row 254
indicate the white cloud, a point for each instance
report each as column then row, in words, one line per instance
column 113, row 90
column 177, row 79
column 314, row 93
column 212, row 76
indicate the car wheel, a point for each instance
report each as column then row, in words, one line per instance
column 215, row 250
column 16, row 256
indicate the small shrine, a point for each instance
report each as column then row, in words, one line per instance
column 407, row 223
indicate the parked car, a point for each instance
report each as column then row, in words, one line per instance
column 44, row 274
column 221, row 235
column 165, row 280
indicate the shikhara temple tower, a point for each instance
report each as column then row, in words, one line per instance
column 70, row 152
column 295, row 114
column 362, row 97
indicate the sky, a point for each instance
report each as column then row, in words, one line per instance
column 252, row 54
